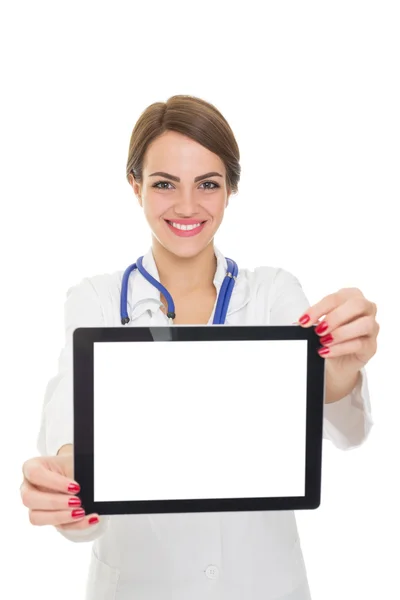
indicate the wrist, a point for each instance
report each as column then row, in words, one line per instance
column 339, row 384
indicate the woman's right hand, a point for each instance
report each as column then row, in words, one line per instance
column 50, row 493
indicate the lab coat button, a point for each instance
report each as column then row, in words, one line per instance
column 212, row 572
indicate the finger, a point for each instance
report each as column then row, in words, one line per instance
column 36, row 500
column 37, row 473
column 360, row 346
column 364, row 326
column 88, row 521
column 56, row 517
column 374, row 309
column 327, row 305
column 345, row 313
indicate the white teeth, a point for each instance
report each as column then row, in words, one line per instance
column 185, row 227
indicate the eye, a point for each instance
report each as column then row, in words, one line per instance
column 156, row 185
column 212, row 183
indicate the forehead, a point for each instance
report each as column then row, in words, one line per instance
column 172, row 151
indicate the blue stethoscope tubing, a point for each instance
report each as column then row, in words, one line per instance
column 224, row 295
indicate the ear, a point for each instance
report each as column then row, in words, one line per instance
column 137, row 188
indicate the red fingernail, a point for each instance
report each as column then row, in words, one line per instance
column 322, row 327
column 326, row 339
column 74, row 487
column 324, row 351
column 93, row 520
column 304, row 319
column 78, row 513
column 74, row 502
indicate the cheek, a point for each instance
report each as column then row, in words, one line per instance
column 218, row 209
column 155, row 206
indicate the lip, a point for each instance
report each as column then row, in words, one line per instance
column 184, row 233
column 186, row 221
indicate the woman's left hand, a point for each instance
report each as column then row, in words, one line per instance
column 349, row 330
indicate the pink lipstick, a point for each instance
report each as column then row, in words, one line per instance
column 186, row 227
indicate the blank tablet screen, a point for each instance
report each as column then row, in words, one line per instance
column 199, row 419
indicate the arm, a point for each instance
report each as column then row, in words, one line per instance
column 347, row 419
column 82, row 309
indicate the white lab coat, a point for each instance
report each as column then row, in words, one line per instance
column 195, row 556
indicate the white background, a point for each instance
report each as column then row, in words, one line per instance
column 251, row 423
column 311, row 90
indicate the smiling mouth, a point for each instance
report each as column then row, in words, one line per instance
column 183, row 227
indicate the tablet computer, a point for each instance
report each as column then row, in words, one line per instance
column 195, row 418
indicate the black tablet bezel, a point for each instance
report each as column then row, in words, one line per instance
column 83, row 376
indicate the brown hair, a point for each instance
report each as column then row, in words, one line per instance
column 194, row 118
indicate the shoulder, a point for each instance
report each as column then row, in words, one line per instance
column 99, row 285
column 269, row 278
column 94, row 299
column 275, row 294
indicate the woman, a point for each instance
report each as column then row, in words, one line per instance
column 183, row 165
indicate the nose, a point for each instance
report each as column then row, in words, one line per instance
column 186, row 204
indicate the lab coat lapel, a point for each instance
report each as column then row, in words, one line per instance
column 241, row 290
column 144, row 296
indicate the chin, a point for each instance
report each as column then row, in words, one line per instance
column 185, row 250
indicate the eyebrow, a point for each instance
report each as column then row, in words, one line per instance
column 174, row 178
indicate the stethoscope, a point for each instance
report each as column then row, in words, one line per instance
column 223, row 300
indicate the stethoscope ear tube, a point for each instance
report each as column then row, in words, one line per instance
column 225, row 293
column 124, row 295
column 159, row 286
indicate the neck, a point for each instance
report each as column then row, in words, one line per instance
column 185, row 275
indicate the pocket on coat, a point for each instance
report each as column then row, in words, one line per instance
column 102, row 580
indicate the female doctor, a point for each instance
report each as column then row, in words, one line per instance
column 183, row 165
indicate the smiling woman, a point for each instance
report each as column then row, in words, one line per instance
column 183, row 166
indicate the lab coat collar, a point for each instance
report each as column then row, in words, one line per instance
column 144, row 296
